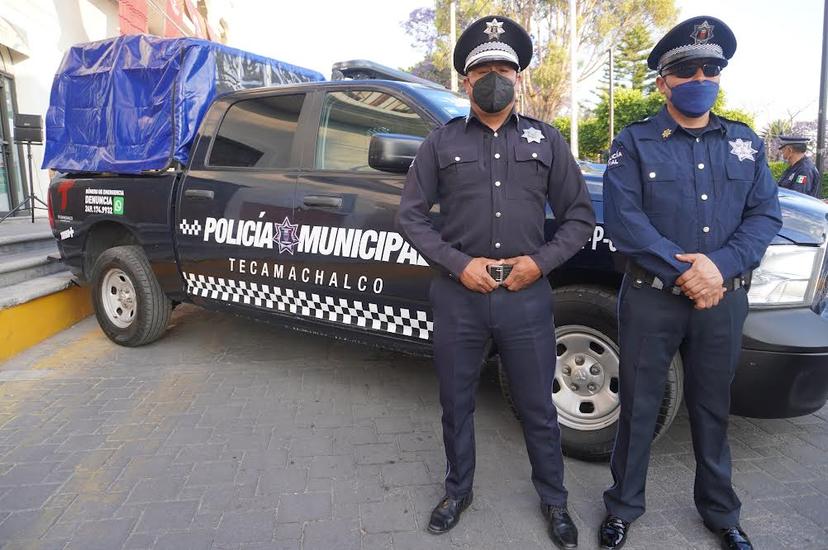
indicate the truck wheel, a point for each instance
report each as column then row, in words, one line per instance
column 130, row 306
column 585, row 389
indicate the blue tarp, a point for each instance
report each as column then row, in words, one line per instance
column 134, row 103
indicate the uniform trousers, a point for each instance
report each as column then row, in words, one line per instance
column 522, row 327
column 653, row 326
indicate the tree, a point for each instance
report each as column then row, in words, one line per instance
column 631, row 105
column 631, row 59
column 546, row 84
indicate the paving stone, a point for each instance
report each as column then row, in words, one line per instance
column 393, row 514
column 163, row 516
column 230, row 434
column 241, row 527
column 304, row 507
column 26, row 497
column 101, row 535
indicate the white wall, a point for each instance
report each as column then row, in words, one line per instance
column 51, row 26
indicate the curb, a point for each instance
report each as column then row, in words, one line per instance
column 24, row 325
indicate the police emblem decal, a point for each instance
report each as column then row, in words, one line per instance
column 286, row 236
column 702, row 33
column 742, row 149
column 494, row 29
column 532, row 134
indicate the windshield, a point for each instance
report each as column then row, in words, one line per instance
column 446, row 102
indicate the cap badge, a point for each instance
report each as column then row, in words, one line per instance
column 494, row 29
column 702, row 33
column 532, row 134
column 666, row 133
column 743, row 149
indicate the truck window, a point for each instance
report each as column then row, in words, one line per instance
column 258, row 133
column 350, row 118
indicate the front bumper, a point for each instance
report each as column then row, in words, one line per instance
column 784, row 364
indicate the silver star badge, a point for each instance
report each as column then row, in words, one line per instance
column 742, row 149
column 494, row 29
column 532, row 134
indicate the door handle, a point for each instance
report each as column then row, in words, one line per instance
column 203, row 194
column 322, row 200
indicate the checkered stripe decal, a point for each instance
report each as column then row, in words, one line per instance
column 190, row 228
column 368, row 315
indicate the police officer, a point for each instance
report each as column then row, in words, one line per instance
column 690, row 201
column 493, row 172
column 801, row 174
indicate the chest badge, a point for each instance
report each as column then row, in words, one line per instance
column 666, row 133
column 532, row 134
column 742, row 149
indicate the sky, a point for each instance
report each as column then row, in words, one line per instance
column 773, row 74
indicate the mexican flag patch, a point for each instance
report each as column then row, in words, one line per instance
column 802, row 179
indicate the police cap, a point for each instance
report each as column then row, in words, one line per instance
column 793, row 140
column 702, row 37
column 493, row 38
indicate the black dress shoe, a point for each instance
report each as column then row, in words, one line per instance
column 562, row 529
column 613, row 532
column 732, row 538
column 446, row 515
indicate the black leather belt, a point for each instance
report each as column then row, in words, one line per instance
column 499, row 272
column 642, row 278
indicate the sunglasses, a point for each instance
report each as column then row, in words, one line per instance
column 688, row 70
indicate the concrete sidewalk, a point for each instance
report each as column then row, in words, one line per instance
column 232, row 434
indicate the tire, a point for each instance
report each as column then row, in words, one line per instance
column 586, row 316
column 130, row 306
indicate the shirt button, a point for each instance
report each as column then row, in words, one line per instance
column 497, row 184
column 534, row 155
column 652, row 175
column 498, row 214
column 701, row 166
column 706, row 229
column 704, row 196
column 495, row 134
column 456, row 159
column 497, row 245
column 698, row 140
column 497, row 155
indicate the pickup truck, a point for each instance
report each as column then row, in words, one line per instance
column 285, row 213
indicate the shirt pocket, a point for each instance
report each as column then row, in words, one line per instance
column 662, row 193
column 529, row 173
column 733, row 183
column 459, row 166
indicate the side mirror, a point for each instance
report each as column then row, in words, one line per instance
column 392, row 152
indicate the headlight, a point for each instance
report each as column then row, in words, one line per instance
column 785, row 276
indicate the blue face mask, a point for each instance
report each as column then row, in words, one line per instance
column 694, row 98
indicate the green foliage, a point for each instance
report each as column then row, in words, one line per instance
column 777, row 168
column 546, row 84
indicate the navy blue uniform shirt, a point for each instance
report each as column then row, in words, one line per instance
column 492, row 188
column 668, row 191
column 802, row 176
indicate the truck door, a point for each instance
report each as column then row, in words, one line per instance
column 234, row 204
column 354, row 265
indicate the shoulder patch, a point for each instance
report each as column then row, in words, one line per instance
column 616, row 156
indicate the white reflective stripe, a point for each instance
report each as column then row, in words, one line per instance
column 495, row 55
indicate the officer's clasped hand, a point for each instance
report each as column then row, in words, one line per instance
column 476, row 277
column 703, row 282
column 524, row 272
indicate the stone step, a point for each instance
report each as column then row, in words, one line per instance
column 17, row 237
column 28, row 265
column 27, row 291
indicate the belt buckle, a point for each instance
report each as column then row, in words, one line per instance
column 498, row 272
